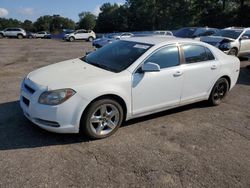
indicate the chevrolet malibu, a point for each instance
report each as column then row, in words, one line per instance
column 129, row 78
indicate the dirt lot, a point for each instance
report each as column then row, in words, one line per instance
column 192, row 146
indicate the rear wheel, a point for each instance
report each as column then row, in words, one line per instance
column 19, row 36
column 219, row 92
column 102, row 119
column 233, row 52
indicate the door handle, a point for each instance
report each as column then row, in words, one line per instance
column 178, row 73
column 214, row 67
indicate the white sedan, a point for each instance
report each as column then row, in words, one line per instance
column 129, row 78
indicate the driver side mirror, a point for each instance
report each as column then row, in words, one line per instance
column 150, row 67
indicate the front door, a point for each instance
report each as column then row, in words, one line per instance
column 153, row 91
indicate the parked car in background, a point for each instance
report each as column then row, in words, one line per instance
column 43, row 35
column 193, row 32
column 163, row 33
column 81, row 34
column 119, row 36
column 13, row 32
column 109, row 38
column 233, row 41
column 30, row 35
column 129, row 78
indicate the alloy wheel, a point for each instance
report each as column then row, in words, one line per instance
column 220, row 91
column 104, row 119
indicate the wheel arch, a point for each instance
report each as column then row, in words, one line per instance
column 115, row 97
column 228, row 79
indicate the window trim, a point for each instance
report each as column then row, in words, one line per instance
column 165, row 46
column 194, row 44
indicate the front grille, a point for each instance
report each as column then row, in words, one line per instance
column 26, row 101
column 29, row 89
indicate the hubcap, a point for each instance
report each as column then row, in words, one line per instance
column 220, row 91
column 104, row 119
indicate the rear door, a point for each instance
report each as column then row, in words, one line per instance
column 7, row 32
column 81, row 34
column 200, row 72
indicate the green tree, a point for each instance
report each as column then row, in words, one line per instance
column 113, row 18
column 87, row 20
column 53, row 23
column 28, row 25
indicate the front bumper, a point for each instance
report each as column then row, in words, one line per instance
column 63, row 118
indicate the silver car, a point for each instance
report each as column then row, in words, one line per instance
column 13, row 32
column 232, row 40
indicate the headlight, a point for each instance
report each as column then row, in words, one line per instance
column 225, row 46
column 55, row 97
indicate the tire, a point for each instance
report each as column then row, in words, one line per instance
column 1, row 36
column 219, row 92
column 20, row 36
column 30, row 37
column 233, row 52
column 90, row 39
column 71, row 39
column 102, row 119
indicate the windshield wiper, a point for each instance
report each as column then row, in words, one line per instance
column 97, row 64
column 102, row 66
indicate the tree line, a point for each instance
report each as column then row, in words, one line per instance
column 139, row 15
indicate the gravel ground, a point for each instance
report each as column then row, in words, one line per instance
column 191, row 146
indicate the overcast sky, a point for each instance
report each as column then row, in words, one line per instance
column 32, row 9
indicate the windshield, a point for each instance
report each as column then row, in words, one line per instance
column 117, row 56
column 233, row 34
column 185, row 32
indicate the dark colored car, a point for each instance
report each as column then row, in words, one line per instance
column 30, row 35
column 193, row 32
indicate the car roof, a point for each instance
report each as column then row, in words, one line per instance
column 237, row 28
column 154, row 40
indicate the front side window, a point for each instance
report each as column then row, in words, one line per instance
column 196, row 53
column 165, row 57
column 246, row 34
column 117, row 56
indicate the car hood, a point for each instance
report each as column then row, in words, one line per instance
column 69, row 74
column 216, row 39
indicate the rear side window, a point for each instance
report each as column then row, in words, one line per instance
column 165, row 57
column 196, row 53
column 210, row 56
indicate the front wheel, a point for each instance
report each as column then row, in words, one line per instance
column 233, row 52
column 102, row 119
column 71, row 39
column 1, row 36
column 219, row 92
